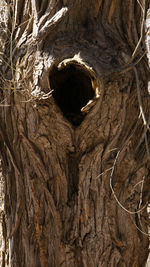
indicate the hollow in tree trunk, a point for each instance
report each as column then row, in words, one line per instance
column 74, row 133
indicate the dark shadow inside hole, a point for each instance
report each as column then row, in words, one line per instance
column 72, row 90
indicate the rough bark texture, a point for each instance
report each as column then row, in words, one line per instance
column 60, row 163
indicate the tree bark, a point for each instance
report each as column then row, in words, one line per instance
column 75, row 133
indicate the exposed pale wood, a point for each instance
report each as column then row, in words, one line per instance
column 51, row 23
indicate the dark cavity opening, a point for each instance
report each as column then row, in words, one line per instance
column 72, row 90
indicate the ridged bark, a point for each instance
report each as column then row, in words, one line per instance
column 76, row 182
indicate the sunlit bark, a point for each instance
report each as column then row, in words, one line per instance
column 73, row 141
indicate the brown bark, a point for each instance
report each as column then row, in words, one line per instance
column 77, row 173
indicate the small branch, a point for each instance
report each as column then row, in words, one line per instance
column 140, row 99
column 144, row 233
column 114, row 194
column 142, row 26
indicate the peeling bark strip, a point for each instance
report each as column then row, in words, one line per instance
column 49, row 25
column 73, row 143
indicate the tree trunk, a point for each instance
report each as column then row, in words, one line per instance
column 75, row 133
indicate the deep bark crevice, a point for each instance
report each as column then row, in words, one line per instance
column 72, row 90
